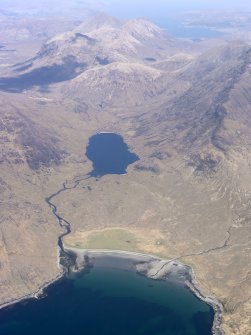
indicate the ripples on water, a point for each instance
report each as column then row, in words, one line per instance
column 110, row 302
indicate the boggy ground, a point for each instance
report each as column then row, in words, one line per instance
column 188, row 198
column 144, row 213
column 169, row 211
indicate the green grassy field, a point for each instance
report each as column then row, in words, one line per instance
column 114, row 239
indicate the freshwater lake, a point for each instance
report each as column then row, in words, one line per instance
column 109, row 154
column 109, row 299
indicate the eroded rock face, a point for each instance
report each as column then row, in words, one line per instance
column 188, row 119
column 23, row 141
column 41, row 148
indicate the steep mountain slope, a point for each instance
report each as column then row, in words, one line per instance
column 99, row 41
column 187, row 116
column 117, row 40
column 117, row 84
column 195, row 118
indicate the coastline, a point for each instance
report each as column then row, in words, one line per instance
column 156, row 268
column 34, row 295
column 148, row 265
column 41, row 289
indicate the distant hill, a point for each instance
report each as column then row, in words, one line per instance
column 182, row 107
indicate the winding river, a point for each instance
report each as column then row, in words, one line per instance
column 109, row 297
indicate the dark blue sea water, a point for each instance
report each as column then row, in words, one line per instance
column 110, row 301
column 109, row 154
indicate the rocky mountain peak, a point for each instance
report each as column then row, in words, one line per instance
column 98, row 21
column 142, row 28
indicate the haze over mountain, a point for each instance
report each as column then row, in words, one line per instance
column 183, row 108
column 49, row 8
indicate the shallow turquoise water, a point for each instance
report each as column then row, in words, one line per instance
column 110, row 301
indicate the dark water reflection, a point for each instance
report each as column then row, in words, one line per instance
column 109, row 154
column 110, row 302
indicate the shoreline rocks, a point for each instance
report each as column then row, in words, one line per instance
column 152, row 267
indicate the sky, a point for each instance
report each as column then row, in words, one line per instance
column 168, row 14
column 177, row 5
column 155, row 10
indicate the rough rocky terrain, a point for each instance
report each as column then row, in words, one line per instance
column 183, row 110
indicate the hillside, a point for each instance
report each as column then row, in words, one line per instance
column 183, row 110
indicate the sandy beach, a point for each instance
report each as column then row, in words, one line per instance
column 148, row 265
column 153, row 267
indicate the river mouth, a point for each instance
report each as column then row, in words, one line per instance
column 110, row 298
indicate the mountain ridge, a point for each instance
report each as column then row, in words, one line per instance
column 183, row 110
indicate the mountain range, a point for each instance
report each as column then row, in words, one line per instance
column 182, row 106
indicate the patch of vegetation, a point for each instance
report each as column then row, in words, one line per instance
column 204, row 164
column 114, row 239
